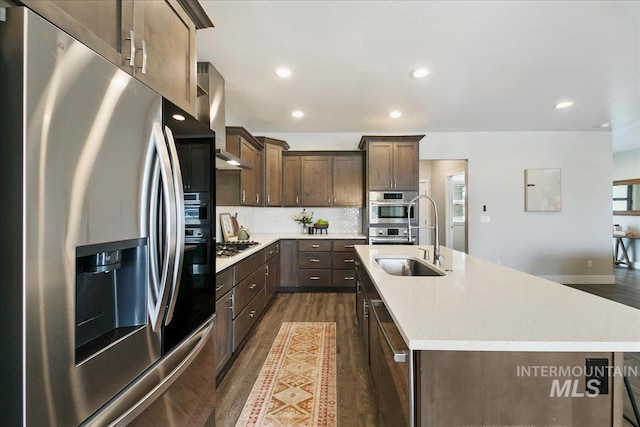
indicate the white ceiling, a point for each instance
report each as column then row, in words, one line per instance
column 495, row 65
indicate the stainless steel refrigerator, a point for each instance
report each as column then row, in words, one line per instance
column 92, row 237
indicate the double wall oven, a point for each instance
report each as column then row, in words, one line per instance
column 389, row 217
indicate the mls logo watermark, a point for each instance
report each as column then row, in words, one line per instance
column 590, row 380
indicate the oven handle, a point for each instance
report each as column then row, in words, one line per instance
column 394, row 239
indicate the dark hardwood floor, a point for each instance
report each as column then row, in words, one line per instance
column 625, row 291
column 355, row 403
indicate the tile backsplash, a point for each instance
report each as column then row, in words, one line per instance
column 280, row 220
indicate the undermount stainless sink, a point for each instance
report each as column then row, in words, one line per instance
column 407, row 266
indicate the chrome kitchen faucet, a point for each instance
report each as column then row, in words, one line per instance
column 437, row 258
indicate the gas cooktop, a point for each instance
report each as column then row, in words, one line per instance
column 227, row 249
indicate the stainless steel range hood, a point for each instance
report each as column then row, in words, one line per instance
column 226, row 160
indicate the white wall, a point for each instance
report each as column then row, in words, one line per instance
column 626, row 165
column 556, row 245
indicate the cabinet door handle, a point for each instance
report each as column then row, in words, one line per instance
column 257, row 198
column 315, row 246
column 329, row 201
column 349, row 278
column 314, row 260
column 252, row 313
column 297, row 201
column 143, row 48
column 268, row 198
column 348, row 246
column 243, row 196
column 252, row 286
column 266, row 270
column 132, row 54
column 348, row 261
column 314, row 277
column 219, row 287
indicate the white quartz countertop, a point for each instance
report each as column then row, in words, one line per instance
column 267, row 239
column 481, row 306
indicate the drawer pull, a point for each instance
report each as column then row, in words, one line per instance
column 315, row 246
column 252, row 313
column 348, row 246
column 348, row 261
column 349, row 278
column 219, row 287
column 314, row 260
column 314, row 277
column 252, row 286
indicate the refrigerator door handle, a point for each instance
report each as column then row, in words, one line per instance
column 157, row 306
column 179, row 231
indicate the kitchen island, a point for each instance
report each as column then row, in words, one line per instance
column 489, row 345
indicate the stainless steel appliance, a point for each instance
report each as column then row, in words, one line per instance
column 227, row 249
column 391, row 207
column 92, row 242
column 202, row 258
column 197, row 208
column 392, row 235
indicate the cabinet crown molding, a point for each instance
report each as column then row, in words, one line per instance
column 240, row 131
column 387, row 138
column 267, row 140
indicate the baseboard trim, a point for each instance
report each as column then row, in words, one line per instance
column 604, row 279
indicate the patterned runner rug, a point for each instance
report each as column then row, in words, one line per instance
column 297, row 383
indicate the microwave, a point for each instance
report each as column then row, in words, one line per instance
column 392, row 207
column 197, row 209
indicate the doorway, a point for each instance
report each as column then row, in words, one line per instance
column 447, row 182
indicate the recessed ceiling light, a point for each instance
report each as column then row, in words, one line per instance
column 297, row 114
column 419, row 73
column 395, row 114
column 605, row 125
column 564, row 104
column 283, row 72
column 179, row 117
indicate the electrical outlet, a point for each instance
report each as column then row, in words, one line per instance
column 589, row 263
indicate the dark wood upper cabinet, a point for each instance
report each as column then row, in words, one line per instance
column 273, row 170
column 392, row 162
column 316, row 180
column 323, row 178
column 291, row 177
column 242, row 187
column 348, row 180
column 163, row 45
column 195, row 164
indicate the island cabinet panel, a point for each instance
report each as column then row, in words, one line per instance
column 316, row 180
column 291, row 181
column 163, row 44
column 502, row 388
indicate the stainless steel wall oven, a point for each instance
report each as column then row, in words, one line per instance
column 197, row 208
column 391, row 207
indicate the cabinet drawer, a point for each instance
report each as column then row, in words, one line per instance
column 314, row 245
column 344, row 259
column 247, row 318
column 315, row 260
column 346, row 245
column 344, row 278
column 272, row 250
column 313, row 277
column 249, row 265
column 224, row 282
column 244, row 291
